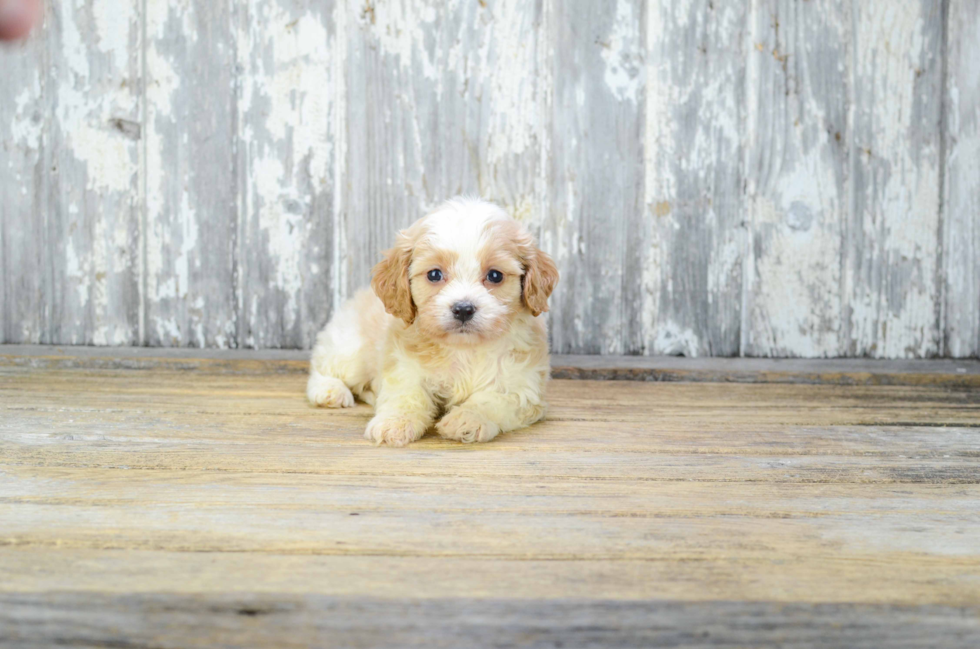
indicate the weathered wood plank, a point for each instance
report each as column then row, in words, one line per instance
column 92, row 189
column 961, row 198
column 617, row 521
column 150, row 493
column 84, row 487
column 904, row 579
column 671, row 431
column 287, row 120
column 246, row 620
column 796, row 176
column 692, row 253
column 892, row 270
column 42, row 428
column 440, row 101
column 192, row 175
column 596, row 174
column 848, row 371
column 24, row 125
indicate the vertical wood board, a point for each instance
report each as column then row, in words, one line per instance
column 286, row 122
column 961, row 200
column 24, row 125
column 191, row 223
column 891, row 264
column 441, row 100
column 796, row 176
column 596, row 181
column 693, row 232
column 91, row 200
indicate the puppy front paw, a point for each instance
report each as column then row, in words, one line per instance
column 394, row 431
column 466, row 426
column 328, row 392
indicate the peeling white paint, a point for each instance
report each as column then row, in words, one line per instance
column 693, row 135
column 160, row 12
column 508, row 59
column 25, row 130
column 77, row 271
column 623, row 55
column 894, row 315
column 396, row 26
column 674, row 340
column 500, row 64
column 161, row 83
column 113, row 29
column 84, row 116
column 291, row 78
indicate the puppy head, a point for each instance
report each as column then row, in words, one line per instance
column 464, row 272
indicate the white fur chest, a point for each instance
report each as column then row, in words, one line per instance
column 461, row 372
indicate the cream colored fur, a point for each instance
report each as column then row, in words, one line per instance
column 399, row 347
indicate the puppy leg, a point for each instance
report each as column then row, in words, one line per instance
column 345, row 357
column 484, row 415
column 328, row 392
column 404, row 412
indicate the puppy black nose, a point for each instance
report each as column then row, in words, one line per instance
column 463, row 311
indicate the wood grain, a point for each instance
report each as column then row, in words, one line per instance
column 192, row 176
column 174, row 507
column 91, row 195
column 961, row 199
column 796, row 177
column 441, row 100
column 280, row 620
column 596, row 176
column 691, row 296
column 891, row 264
column 24, row 124
column 286, row 139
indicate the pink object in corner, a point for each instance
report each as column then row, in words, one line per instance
column 18, row 17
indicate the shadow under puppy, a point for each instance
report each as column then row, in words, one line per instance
column 450, row 333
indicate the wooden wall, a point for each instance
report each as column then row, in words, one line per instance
column 714, row 177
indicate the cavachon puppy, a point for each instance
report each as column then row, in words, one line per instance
column 451, row 334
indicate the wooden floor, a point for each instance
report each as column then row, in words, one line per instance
column 204, row 504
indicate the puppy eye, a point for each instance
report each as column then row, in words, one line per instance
column 495, row 277
column 434, row 275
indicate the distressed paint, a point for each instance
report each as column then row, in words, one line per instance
column 891, row 258
column 694, row 239
column 91, row 198
column 24, row 123
column 796, row 176
column 441, row 100
column 771, row 178
column 191, row 193
column 287, row 153
column 596, row 172
column 961, row 204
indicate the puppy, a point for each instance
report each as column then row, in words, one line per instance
column 451, row 334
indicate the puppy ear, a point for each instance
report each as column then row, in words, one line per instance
column 390, row 280
column 540, row 278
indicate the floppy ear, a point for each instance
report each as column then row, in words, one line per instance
column 390, row 279
column 540, row 278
